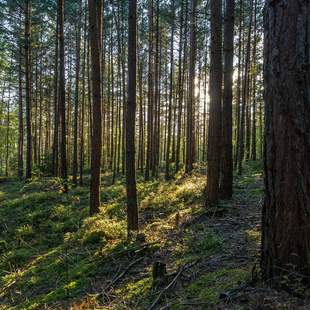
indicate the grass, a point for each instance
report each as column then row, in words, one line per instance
column 52, row 254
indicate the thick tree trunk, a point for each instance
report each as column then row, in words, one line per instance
column 132, row 208
column 227, row 165
column 96, row 136
column 285, row 236
column 215, row 119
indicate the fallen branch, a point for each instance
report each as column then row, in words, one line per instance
column 118, row 277
column 171, row 284
column 123, row 273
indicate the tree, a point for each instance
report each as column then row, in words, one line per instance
column 227, row 164
column 94, row 9
column 190, row 130
column 56, row 105
column 215, row 120
column 20, row 157
column 132, row 208
column 76, row 99
column 28, row 87
column 245, row 90
column 285, row 235
column 62, row 96
column 149, row 152
column 167, row 173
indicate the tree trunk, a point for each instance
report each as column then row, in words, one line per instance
column 253, row 149
column 96, row 136
column 227, row 165
column 190, row 130
column 238, row 90
column 20, row 117
column 76, row 99
column 132, row 208
column 285, row 235
column 244, row 95
column 149, row 153
column 28, row 87
column 56, row 107
column 62, row 96
column 83, row 103
column 215, row 119
column 167, row 174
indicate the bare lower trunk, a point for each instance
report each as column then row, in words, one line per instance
column 285, row 236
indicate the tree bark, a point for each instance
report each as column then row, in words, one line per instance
column 96, row 136
column 215, row 119
column 149, row 153
column 132, row 208
column 62, row 96
column 190, row 130
column 167, row 173
column 76, row 98
column 227, row 165
column 20, row 117
column 285, row 235
column 28, row 88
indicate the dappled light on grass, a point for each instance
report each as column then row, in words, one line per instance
column 53, row 253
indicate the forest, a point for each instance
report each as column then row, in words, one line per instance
column 154, row 154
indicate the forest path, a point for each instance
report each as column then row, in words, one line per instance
column 226, row 278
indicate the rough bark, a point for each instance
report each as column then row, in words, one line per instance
column 227, row 164
column 76, row 98
column 132, row 208
column 190, row 130
column 285, row 235
column 96, row 136
column 215, row 118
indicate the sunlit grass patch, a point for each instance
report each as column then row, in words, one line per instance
column 135, row 290
column 208, row 288
column 198, row 244
column 100, row 230
column 53, row 251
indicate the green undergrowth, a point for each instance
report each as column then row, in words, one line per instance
column 53, row 255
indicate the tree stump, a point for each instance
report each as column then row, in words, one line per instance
column 159, row 273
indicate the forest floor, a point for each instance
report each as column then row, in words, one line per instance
column 54, row 256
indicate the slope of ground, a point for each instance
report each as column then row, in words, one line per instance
column 53, row 256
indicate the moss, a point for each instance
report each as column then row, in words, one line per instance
column 25, row 231
column 208, row 288
column 138, row 289
column 55, row 253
